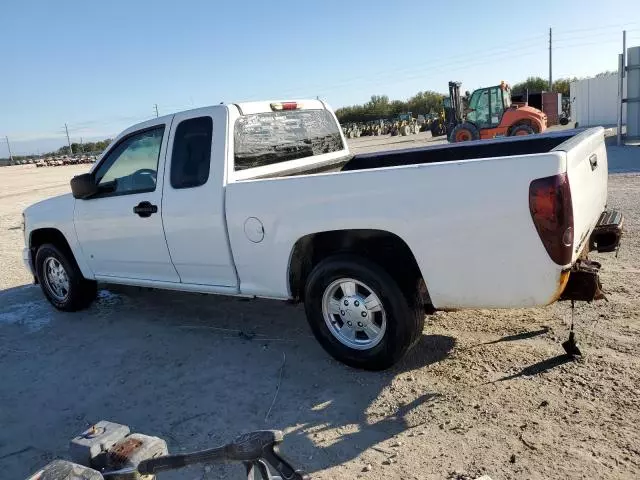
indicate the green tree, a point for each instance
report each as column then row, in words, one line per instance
column 533, row 84
column 379, row 106
column 562, row 85
column 397, row 107
column 425, row 102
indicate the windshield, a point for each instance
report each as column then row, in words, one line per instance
column 273, row 137
column 473, row 103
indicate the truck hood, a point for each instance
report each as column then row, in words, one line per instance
column 53, row 207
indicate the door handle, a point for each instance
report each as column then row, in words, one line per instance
column 145, row 209
column 593, row 160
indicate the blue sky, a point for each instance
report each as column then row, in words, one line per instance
column 101, row 66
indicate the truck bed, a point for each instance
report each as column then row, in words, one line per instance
column 467, row 222
column 501, row 147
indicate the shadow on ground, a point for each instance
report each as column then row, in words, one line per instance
column 540, row 367
column 193, row 369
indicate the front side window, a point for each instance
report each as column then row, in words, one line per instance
column 191, row 156
column 273, row 137
column 479, row 104
column 132, row 166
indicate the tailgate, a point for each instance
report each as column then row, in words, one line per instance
column 587, row 172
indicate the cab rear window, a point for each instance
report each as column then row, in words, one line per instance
column 274, row 137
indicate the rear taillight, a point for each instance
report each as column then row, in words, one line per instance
column 552, row 213
column 285, row 106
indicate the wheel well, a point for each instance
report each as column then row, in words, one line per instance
column 381, row 247
column 49, row 235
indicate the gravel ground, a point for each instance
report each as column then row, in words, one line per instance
column 484, row 391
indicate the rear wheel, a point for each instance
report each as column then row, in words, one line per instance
column 359, row 314
column 437, row 129
column 464, row 132
column 61, row 280
column 522, row 130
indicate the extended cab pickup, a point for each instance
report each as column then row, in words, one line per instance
column 263, row 199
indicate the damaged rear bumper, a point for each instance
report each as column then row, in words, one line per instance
column 584, row 281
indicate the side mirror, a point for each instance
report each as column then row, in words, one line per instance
column 83, row 186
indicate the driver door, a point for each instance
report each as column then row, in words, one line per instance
column 479, row 109
column 120, row 230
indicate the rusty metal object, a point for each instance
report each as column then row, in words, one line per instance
column 584, row 283
column 130, row 451
column 562, row 283
column 89, row 447
column 120, row 453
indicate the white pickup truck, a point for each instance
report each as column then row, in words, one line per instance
column 263, row 199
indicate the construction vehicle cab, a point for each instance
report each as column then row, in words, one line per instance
column 490, row 114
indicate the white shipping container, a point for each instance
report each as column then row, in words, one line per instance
column 594, row 101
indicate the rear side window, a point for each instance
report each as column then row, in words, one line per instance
column 191, row 156
column 274, row 137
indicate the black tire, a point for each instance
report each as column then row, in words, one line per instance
column 404, row 312
column 522, row 130
column 80, row 293
column 564, row 121
column 437, row 129
column 464, row 132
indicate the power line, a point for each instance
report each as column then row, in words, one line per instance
column 421, row 71
column 591, row 43
column 617, row 26
column 592, row 36
column 438, row 62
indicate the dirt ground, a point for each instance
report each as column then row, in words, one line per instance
column 484, row 391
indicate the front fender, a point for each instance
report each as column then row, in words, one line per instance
column 56, row 213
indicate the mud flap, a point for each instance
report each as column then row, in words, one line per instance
column 584, row 283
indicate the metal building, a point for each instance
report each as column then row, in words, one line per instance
column 632, row 96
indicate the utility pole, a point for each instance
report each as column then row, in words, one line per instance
column 81, row 146
column 622, row 70
column 620, row 98
column 155, row 105
column 68, row 140
column 9, row 148
column 550, row 75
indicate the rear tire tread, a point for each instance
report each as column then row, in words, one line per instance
column 405, row 312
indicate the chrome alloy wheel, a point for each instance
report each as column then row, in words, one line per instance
column 354, row 314
column 56, row 279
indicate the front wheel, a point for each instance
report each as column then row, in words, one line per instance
column 464, row 132
column 61, row 280
column 359, row 314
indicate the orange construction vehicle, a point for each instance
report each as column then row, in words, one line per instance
column 490, row 114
